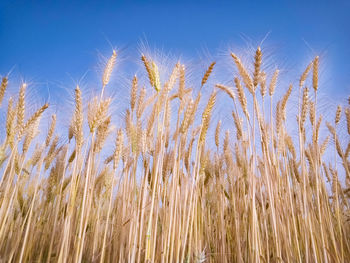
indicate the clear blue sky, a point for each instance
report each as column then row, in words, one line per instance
column 46, row 40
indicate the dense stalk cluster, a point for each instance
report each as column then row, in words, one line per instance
column 165, row 192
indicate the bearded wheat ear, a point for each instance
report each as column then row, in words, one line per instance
column 244, row 74
column 207, row 73
column 324, row 144
column 141, row 104
column 257, row 67
column 51, row 130
column 238, row 125
column 156, row 77
column 35, row 116
column 133, row 94
column 118, row 148
column 217, row 134
column 206, row 117
column 3, row 87
column 31, row 132
column 347, row 114
column 10, row 125
column 312, row 111
column 284, row 101
column 304, row 107
column 102, row 133
column 304, row 75
column 78, row 118
column 263, row 84
column 173, row 77
column 241, row 97
column 278, row 118
column 337, row 115
column 21, row 109
column 186, row 118
column 228, row 90
column 148, row 69
column 273, row 82
column 100, row 115
column 108, row 69
column 31, row 127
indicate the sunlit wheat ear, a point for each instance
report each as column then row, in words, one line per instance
column 20, row 109
column 304, row 75
column 206, row 117
column 312, row 112
column 273, row 82
column 290, row 146
column 133, row 93
column 3, row 87
column 347, row 152
column 331, row 129
column 228, row 90
column 217, row 134
column 187, row 115
column 304, row 107
column 31, row 131
column 72, row 156
column 37, row 154
column 100, row 115
column 241, row 96
column 318, row 125
column 188, row 154
column 35, row 116
column 194, row 109
column 51, row 152
column 237, row 121
column 315, row 73
column 51, row 130
column 226, row 142
column 244, row 73
column 173, row 77
column 347, row 114
column 207, row 73
column 78, row 118
column 167, row 119
column 141, row 105
column 108, row 69
column 92, row 109
column 338, row 147
column 324, row 145
column 257, row 66
column 284, row 101
column 151, row 120
column 155, row 72
column 102, row 133
column 118, row 148
column 149, row 70
column 262, row 80
column 10, row 125
column 128, row 123
column 31, row 126
column 335, row 181
column 278, row 118
column 337, row 115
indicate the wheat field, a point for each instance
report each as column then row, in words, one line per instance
column 175, row 186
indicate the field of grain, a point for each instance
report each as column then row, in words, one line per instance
column 165, row 192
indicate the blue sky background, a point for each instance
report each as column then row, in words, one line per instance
column 57, row 41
